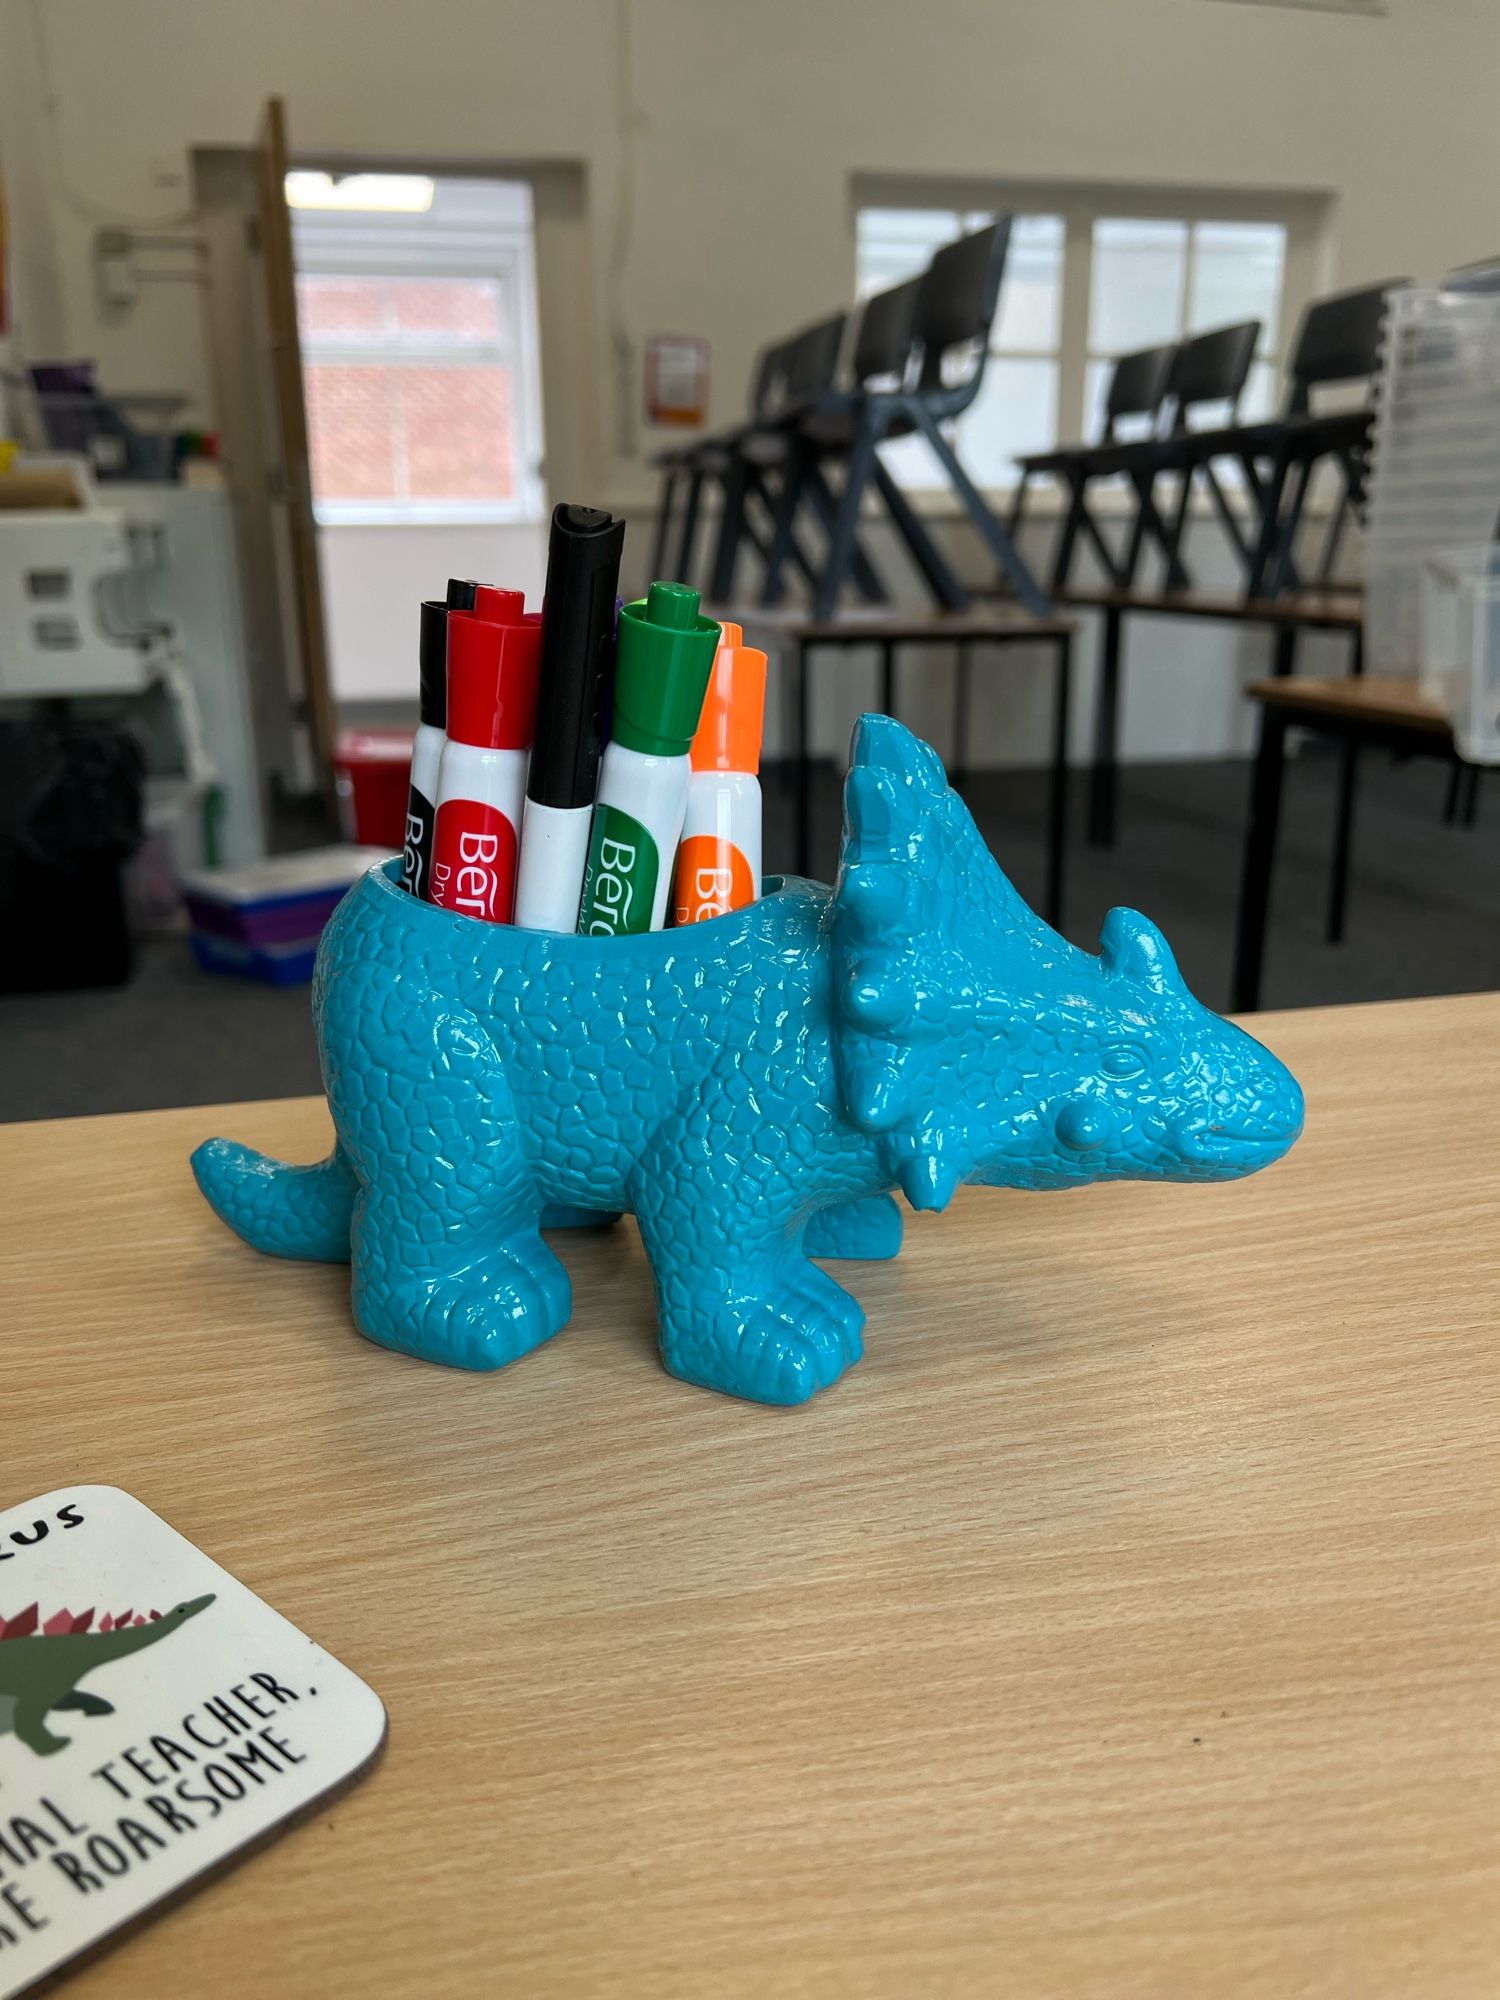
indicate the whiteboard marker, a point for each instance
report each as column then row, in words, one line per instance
column 493, row 654
column 578, row 645
column 718, row 862
column 432, row 729
column 663, row 657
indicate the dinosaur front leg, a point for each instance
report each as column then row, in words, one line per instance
column 30, row 1724
column 871, row 1227
column 449, row 1263
column 740, row 1308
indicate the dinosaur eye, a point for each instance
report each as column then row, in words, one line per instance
column 1122, row 1060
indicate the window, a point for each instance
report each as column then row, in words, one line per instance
column 418, row 356
column 1087, row 280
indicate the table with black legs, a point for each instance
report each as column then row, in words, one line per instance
column 799, row 635
column 1375, row 710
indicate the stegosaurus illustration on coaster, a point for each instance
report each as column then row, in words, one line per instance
column 41, row 1664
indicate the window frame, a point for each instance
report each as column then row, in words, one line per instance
column 1304, row 215
column 508, row 256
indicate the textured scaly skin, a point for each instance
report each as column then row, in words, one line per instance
column 752, row 1089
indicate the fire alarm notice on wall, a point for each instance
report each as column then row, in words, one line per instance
column 676, row 379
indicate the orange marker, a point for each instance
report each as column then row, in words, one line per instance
column 718, row 861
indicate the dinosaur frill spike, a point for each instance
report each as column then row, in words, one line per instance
column 1131, row 946
column 882, row 742
column 927, row 1179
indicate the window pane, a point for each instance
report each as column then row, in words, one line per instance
column 1014, row 412
column 1262, row 397
column 459, row 444
column 1031, row 296
column 458, row 309
column 894, row 244
column 352, row 422
column 392, row 432
column 1237, row 269
column 1136, row 295
column 342, row 308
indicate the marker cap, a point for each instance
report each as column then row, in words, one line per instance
column 663, row 659
column 493, row 655
column 578, row 646
column 734, row 708
column 433, row 653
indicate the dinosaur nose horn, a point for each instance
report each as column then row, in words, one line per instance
column 1132, row 946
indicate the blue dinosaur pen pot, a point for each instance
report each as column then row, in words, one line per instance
column 753, row 1089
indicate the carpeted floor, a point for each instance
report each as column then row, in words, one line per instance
column 1424, row 918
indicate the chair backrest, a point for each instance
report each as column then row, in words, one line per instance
column 765, row 378
column 956, row 299
column 1212, row 367
column 810, row 361
column 887, row 333
column 1137, row 386
column 1338, row 341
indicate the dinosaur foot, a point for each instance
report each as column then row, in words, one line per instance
column 870, row 1228
column 782, row 1353
column 498, row 1306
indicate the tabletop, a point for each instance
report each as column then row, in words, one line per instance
column 1386, row 699
column 1124, row 1624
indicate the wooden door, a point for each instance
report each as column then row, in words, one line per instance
column 291, row 494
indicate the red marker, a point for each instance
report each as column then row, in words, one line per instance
column 493, row 655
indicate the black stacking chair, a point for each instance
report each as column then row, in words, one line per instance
column 1338, row 342
column 827, row 427
column 956, row 300
column 713, row 457
column 1138, row 387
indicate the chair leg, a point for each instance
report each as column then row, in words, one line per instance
column 1451, row 794
column 1067, row 538
column 946, row 590
column 1104, row 778
column 1268, row 531
column 731, row 532
column 784, row 529
column 683, row 570
column 866, row 579
column 663, row 521
column 1284, row 573
column 1471, row 795
column 993, row 533
column 1260, row 857
column 846, row 522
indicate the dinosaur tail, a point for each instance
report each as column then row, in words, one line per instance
column 284, row 1210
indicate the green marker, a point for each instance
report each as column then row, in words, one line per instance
column 664, row 656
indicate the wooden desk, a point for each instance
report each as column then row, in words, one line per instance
column 1381, row 711
column 1124, row 1625
column 886, row 627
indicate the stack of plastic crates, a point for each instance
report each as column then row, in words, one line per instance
column 1434, row 475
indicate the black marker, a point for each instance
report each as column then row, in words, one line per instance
column 432, row 732
column 578, row 636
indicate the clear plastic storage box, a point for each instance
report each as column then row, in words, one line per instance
column 1460, row 650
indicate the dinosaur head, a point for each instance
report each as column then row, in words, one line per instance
column 181, row 1613
column 975, row 1044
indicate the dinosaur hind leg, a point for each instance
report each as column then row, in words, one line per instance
column 86, row 1704
column 449, row 1263
column 284, row 1210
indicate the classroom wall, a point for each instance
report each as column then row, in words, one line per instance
column 718, row 142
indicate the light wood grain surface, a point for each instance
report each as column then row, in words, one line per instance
column 1124, row 1625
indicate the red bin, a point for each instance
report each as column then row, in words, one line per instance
column 372, row 771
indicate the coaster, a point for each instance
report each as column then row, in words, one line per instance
column 157, row 1720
